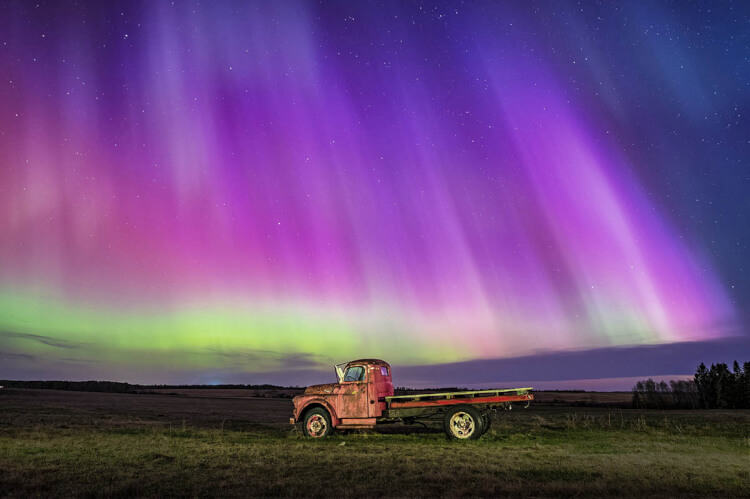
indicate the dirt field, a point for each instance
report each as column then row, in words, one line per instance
column 226, row 443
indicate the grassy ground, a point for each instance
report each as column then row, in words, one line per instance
column 50, row 448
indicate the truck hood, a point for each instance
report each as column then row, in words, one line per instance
column 321, row 389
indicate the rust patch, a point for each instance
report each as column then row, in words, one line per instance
column 325, row 389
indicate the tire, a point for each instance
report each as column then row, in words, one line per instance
column 317, row 423
column 486, row 422
column 463, row 422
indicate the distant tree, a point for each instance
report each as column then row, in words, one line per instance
column 684, row 394
column 713, row 393
column 702, row 384
column 739, row 389
column 724, row 386
column 637, row 401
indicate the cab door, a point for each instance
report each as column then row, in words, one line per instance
column 378, row 387
column 351, row 394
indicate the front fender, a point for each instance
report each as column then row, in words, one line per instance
column 300, row 408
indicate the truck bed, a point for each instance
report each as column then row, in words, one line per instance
column 453, row 398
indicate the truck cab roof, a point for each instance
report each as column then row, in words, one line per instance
column 376, row 362
column 340, row 369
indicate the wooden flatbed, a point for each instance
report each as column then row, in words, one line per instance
column 477, row 397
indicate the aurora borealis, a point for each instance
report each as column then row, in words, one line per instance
column 217, row 191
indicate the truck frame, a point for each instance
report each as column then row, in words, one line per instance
column 363, row 397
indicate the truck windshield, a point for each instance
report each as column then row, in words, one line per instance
column 355, row 373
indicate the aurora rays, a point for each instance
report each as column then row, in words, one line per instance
column 240, row 187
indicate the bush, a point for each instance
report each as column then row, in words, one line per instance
column 678, row 394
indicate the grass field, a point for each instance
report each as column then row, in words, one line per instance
column 55, row 443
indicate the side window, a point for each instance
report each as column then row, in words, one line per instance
column 384, row 370
column 355, row 373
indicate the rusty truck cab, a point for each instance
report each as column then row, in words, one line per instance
column 356, row 401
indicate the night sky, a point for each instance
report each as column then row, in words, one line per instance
column 477, row 192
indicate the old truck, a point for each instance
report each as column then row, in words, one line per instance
column 364, row 397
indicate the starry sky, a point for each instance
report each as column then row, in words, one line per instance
column 478, row 192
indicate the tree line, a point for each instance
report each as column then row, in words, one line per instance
column 718, row 387
column 118, row 387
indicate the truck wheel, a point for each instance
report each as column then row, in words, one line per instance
column 463, row 422
column 317, row 423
